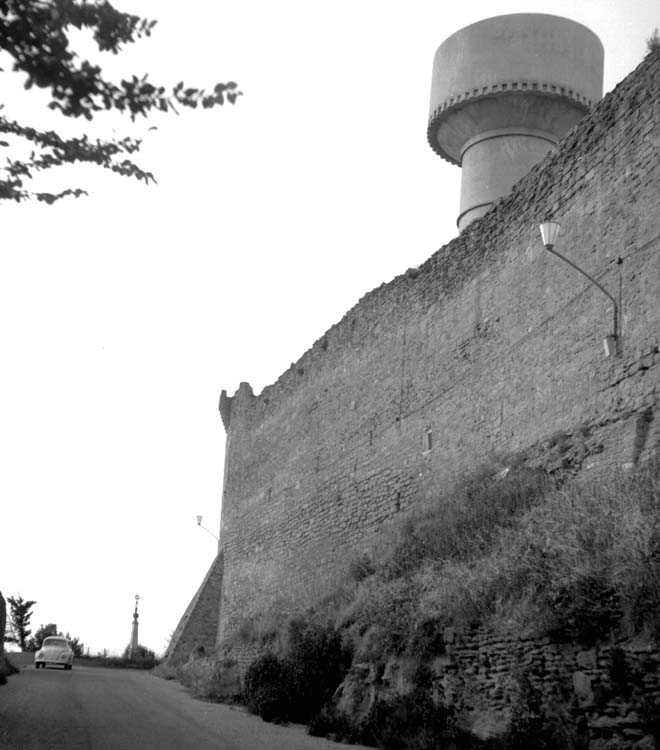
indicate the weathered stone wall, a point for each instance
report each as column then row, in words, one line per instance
column 198, row 628
column 486, row 679
column 3, row 622
column 493, row 347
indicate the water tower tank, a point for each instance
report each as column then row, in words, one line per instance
column 504, row 92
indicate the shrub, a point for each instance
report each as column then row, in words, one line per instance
column 166, row 670
column 6, row 669
column 585, row 609
column 268, row 688
column 296, row 685
column 141, row 658
column 211, row 679
column 360, row 568
column 319, row 660
column 391, row 605
column 427, row 638
column 540, row 726
column 409, row 722
column 329, row 722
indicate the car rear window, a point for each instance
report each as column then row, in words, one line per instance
column 55, row 642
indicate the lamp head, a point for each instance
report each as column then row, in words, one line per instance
column 549, row 232
column 199, row 520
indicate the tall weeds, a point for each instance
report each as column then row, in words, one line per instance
column 210, row 678
column 517, row 554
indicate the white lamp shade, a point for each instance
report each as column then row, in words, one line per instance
column 199, row 520
column 549, row 232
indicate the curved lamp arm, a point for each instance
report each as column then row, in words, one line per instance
column 549, row 232
column 199, row 523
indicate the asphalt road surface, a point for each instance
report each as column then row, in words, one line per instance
column 92, row 708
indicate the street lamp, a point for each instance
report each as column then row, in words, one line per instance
column 549, row 232
column 199, row 523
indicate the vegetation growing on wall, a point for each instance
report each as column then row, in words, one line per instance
column 583, row 561
column 425, row 571
column 516, row 551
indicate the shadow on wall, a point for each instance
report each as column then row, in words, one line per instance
column 643, row 429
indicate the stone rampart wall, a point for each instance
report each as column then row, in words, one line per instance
column 3, row 622
column 494, row 347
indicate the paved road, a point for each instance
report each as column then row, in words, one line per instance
column 89, row 708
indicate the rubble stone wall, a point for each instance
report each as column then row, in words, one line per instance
column 605, row 689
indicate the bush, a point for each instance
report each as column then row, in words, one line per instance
column 6, row 669
column 386, row 606
column 319, row 660
column 211, row 679
column 268, row 688
column 427, row 639
column 166, row 671
column 296, row 685
column 409, row 722
column 585, row 609
column 360, row 568
column 142, row 658
column 328, row 722
column 539, row 726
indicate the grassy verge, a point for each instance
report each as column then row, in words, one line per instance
column 207, row 678
column 142, row 659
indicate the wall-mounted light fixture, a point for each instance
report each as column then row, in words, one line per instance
column 549, row 232
column 199, row 523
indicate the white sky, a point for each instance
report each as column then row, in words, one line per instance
column 124, row 314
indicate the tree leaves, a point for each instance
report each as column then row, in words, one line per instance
column 35, row 34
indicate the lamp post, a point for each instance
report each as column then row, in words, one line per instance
column 199, row 523
column 549, row 232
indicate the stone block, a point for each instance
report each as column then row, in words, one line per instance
column 583, row 689
column 587, row 659
column 646, row 743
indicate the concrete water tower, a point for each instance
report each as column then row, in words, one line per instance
column 504, row 92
